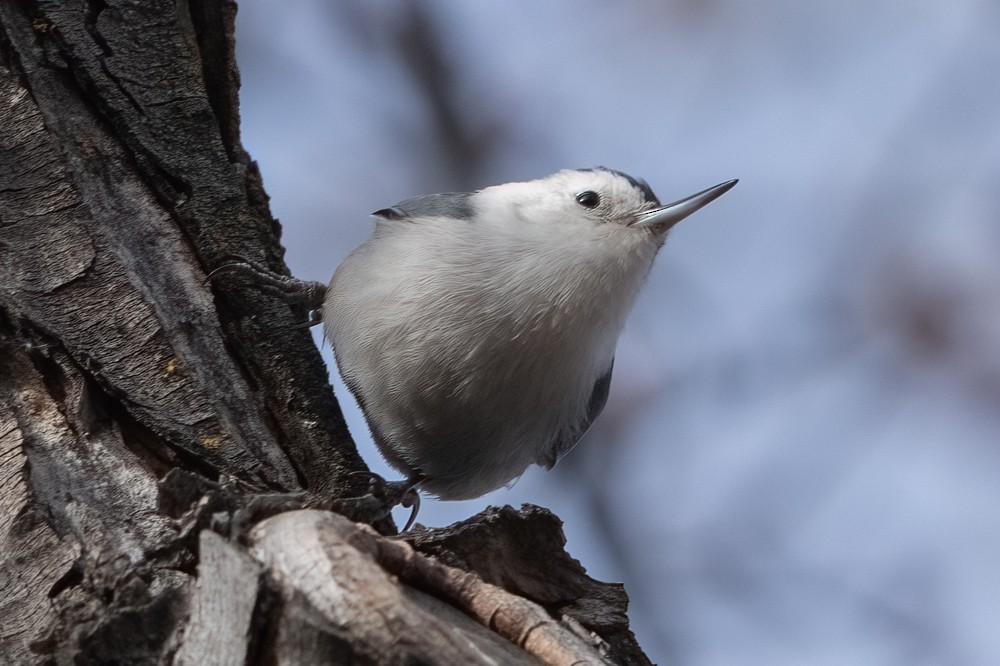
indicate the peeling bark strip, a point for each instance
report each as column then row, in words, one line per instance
column 147, row 420
column 345, row 573
column 220, row 626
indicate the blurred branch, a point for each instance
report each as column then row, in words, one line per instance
column 461, row 145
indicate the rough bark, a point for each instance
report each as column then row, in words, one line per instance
column 148, row 421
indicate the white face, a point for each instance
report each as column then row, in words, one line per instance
column 596, row 196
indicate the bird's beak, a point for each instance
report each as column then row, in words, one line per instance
column 662, row 218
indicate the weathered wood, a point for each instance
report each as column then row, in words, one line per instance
column 523, row 552
column 79, row 517
column 219, row 630
column 122, row 182
column 324, row 562
column 120, row 188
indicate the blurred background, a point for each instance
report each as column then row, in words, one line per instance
column 800, row 459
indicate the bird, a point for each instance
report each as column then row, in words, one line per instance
column 477, row 330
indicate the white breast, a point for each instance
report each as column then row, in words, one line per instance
column 472, row 344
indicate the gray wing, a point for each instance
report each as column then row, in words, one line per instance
column 457, row 205
column 568, row 439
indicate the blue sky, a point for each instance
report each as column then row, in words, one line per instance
column 799, row 460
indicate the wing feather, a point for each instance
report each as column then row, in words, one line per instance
column 595, row 405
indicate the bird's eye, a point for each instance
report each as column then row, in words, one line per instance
column 588, row 199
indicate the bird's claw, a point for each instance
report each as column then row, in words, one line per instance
column 290, row 289
column 393, row 493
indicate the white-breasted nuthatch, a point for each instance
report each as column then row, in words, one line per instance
column 477, row 330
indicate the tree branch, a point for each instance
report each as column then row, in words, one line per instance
column 143, row 414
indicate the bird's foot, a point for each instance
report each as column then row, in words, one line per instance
column 287, row 288
column 388, row 494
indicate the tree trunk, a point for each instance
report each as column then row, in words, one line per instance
column 148, row 421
